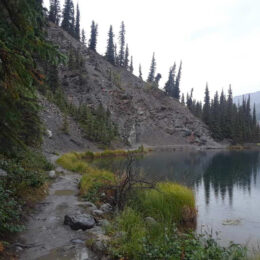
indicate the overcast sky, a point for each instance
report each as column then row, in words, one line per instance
column 217, row 40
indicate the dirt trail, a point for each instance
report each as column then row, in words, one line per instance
column 45, row 230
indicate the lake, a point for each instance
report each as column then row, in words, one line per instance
column 226, row 185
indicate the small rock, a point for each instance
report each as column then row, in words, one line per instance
column 104, row 223
column 49, row 133
column 18, row 249
column 59, row 170
column 97, row 240
column 3, row 173
column 52, row 174
column 76, row 222
column 97, row 212
column 77, row 241
column 150, row 221
column 106, row 208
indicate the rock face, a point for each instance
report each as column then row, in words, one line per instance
column 76, row 222
column 144, row 115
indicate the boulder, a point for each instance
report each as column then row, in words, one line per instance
column 52, row 174
column 106, row 208
column 97, row 213
column 76, row 222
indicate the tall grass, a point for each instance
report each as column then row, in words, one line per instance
column 166, row 203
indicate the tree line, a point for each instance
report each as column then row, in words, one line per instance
column 118, row 55
column 225, row 119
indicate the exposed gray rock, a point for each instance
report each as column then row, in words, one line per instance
column 97, row 213
column 143, row 114
column 76, row 222
column 77, row 241
column 49, row 133
column 104, row 223
column 52, row 174
column 97, row 240
column 106, row 208
column 60, row 170
column 3, row 173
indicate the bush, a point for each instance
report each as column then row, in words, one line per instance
column 135, row 239
column 24, row 178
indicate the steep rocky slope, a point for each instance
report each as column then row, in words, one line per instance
column 144, row 115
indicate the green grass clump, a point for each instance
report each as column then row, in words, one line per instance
column 93, row 179
column 166, row 202
column 73, row 162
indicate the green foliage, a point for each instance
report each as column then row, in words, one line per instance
column 165, row 203
column 110, row 53
column 151, row 75
column 24, row 174
column 93, row 179
column 136, row 239
column 93, row 36
column 96, row 123
column 21, row 42
column 225, row 119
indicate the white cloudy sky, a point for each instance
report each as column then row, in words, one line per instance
column 217, row 40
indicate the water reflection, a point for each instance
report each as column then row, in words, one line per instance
column 226, row 186
column 229, row 170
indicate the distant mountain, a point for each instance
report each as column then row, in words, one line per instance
column 255, row 99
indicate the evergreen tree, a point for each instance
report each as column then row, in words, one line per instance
column 22, row 39
column 126, row 59
column 140, row 72
column 110, row 53
column 254, row 116
column 157, row 79
column 68, row 17
column 176, row 88
column 116, row 56
column 182, row 99
column 131, row 65
column 93, row 36
column 54, row 13
column 83, row 37
column 77, row 25
column 151, row 75
column 206, row 106
column 122, row 45
column 169, row 85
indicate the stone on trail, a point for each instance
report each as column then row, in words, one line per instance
column 106, row 208
column 52, row 174
column 83, row 221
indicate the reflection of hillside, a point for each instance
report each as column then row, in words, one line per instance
column 229, row 169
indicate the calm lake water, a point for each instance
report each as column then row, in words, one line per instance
column 226, row 185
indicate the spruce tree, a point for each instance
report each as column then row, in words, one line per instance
column 54, row 13
column 206, row 106
column 126, row 58
column 83, row 37
column 131, row 65
column 182, row 99
column 93, row 36
column 157, row 79
column 68, row 17
column 169, row 85
column 77, row 25
column 110, row 53
column 140, row 72
column 176, row 89
column 151, row 75
column 121, row 55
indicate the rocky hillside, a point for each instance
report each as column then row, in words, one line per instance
column 143, row 114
